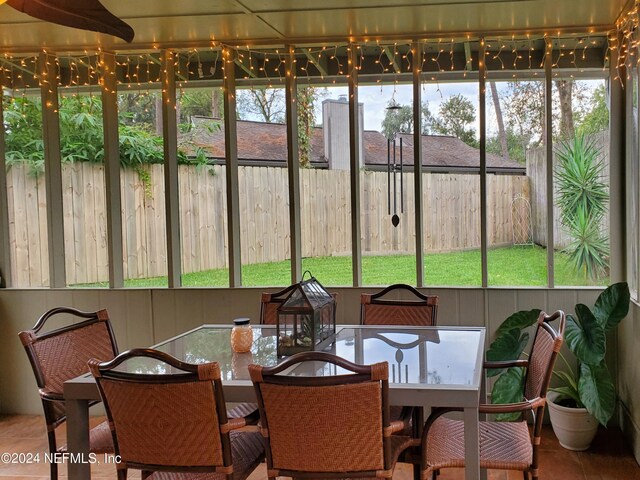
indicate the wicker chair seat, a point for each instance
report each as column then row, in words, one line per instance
column 242, row 410
column 503, row 445
column 399, row 443
column 100, row 439
column 247, row 449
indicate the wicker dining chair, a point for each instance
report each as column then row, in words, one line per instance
column 174, row 426
column 327, row 427
column 270, row 302
column 503, row 445
column 62, row 354
column 422, row 310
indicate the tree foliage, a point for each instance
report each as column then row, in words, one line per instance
column 81, row 133
column 597, row 117
column 205, row 102
column 455, row 116
column 524, row 110
column 400, row 120
column 516, row 145
column 306, row 120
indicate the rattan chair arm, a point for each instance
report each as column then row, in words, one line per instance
column 48, row 395
column 406, row 415
column 525, row 406
column 395, row 427
column 505, row 364
column 233, row 424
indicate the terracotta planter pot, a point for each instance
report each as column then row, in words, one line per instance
column 574, row 427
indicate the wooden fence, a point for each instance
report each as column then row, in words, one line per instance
column 451, row 218
column 537, row 172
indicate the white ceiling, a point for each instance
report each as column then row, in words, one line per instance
column 174, row 23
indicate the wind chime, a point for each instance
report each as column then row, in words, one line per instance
column 394, row 168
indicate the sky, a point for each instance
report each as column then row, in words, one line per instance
column 376, row 98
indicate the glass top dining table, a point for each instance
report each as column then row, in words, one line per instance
column 428, row 366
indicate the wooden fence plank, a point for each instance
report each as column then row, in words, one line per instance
column 451, row 218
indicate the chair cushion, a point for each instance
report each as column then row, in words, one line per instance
column 503, row 445
column 247, row 450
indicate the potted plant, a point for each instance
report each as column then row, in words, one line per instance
column 585, row 395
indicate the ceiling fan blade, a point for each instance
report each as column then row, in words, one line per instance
column 85, row 14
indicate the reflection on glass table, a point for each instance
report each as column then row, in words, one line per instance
column 208, row 344
column 429, row 356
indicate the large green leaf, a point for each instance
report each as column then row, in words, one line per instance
column 597, row 392
column 508, row 346
column 612, row 305
column 508, row 389
column 585, row 336
column 519, row 320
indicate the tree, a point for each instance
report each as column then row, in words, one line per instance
column 200, row 102
column 454, row 117
column 524, row 112
column 267, row 104
column 502, row 135
column 400, row 120
column 306, row 121
column 137, row 107
column 565, row 95
column 597, row 118
column 525, row 108
column 81, row 134
column 516, row 145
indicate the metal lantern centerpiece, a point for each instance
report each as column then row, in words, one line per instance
column 306, row 319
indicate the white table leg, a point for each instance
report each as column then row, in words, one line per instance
column 78, row 439
column 471, row 443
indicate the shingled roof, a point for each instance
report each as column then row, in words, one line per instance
column 266, row 143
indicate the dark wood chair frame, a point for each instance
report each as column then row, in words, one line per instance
column 278, row 298
column 52, row 400
column 361, row 373
column 534, row 407
column 106, row 370
column 377, row 299
column 411, row 416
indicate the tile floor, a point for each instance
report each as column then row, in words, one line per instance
column 608, row 459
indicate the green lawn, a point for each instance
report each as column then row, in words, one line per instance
column 508, row 266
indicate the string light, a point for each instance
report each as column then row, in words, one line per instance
column 77, row 73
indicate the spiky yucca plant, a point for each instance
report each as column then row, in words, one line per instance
column 582, row 199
